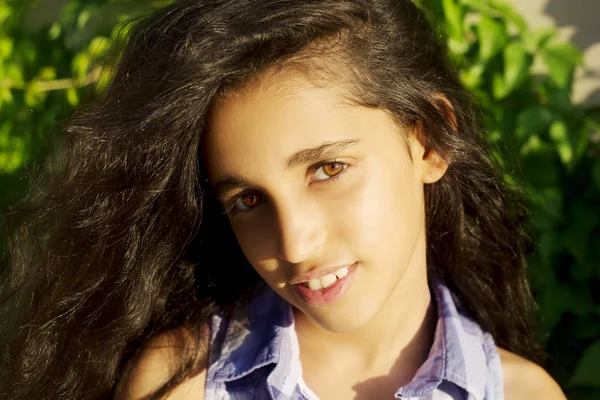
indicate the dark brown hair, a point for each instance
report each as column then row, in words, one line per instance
column 123, row 240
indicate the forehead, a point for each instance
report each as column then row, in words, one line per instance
column 275, row 101
column 274, row 117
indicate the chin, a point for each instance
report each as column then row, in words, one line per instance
column 339, row 320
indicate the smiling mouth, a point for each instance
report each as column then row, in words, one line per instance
column 326, row 281
column 327, row 289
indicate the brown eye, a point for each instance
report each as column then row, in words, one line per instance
column 333, row 168
column 250, row 200
column 329, row 170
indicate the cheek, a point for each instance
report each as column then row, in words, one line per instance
column 258, row 242
column 382, row 210
column 251, row 233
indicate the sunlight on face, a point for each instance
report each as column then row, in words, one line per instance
column 311, row 183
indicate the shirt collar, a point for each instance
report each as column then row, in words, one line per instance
column 254, row 337
column 456, row 356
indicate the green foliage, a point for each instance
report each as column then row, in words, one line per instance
column 50, row 64
column 588, row 370
column 550, row 146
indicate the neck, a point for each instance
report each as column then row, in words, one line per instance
column 396, row 341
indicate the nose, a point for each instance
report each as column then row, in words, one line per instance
column 301, row 229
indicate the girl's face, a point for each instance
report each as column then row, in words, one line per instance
column 321, row 193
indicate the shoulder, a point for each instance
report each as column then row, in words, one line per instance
column 524, row 379
column 154, row 366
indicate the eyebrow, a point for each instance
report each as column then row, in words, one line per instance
column 301, row 157
column 316, row 153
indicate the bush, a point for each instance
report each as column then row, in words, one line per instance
column 551, row 147
column 46, row 69
column 545, row 143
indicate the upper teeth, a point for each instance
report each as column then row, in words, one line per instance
column 327, row 280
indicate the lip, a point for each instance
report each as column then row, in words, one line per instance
column 318, row 273
column 328, row 295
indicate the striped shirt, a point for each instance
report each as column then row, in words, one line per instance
column 260, row 358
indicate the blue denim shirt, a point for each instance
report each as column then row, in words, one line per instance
column 260, row 359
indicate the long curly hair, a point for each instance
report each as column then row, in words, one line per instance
column 122, row 240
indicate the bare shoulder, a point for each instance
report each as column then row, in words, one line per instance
column 524, row 379
column 155, row 364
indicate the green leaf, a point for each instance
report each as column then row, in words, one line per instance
column 47, row 73
column 472, row 76
column 494, row 137
column 561, row 60
column 516, row 65
column 534, row 145
column 560, row 100
column 559, row 135
column 6, row 96
column 80, row 66
column 83, row 18
column 5, row 12
column 34, row 96
column 498, row 86
column 582, row 220
column 580, row 137
column 14, row 73
column 458, row 47
column 500, row 9
column 534, row 119
column 539, row 38
column 492, row 35
column 539, row 163
column 516, row 69
column 509, row 13
column 12, row 150
column 72, row 96
column 6, row 48
column 588, row 370
column 54, row 31
column 454, row 14
column 550, row 201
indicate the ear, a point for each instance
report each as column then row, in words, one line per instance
column 433, row 165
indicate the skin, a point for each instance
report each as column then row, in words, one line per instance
column 360, row 202
column 368, row 209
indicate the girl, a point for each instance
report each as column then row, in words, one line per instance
column 283, row 199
